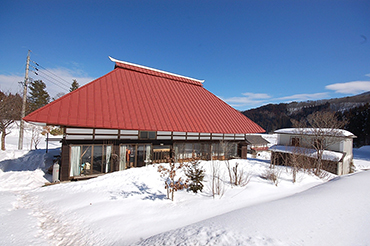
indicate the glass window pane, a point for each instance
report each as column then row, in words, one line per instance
column 162, row 152
column 205, row 148
column 123, row 157
column 147, row 154
column 86, row 160
column 151, row 135
column 98, row 160
column 215, row 149
column 131, row 155
column 75, row 161
column 197, row 149
column 188, row 150
column 140, row 156
column 108, row 154
column 143, row 135
column 234, row 149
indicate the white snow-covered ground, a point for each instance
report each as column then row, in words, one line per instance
column 130, row 207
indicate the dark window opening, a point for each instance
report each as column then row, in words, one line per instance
column 147, row 135
column 296, row 142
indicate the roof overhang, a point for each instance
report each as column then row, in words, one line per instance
column 153, row 69
column 330, row 132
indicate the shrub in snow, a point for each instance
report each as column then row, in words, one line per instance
column 237, row 176
column 271, row 174
column 216, row 181
column 196, row 175
column 172, row 183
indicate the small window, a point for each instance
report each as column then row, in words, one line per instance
column 151, row 135
column 147, row 135
column 295, row 142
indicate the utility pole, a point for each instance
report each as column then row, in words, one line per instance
column 23, row 113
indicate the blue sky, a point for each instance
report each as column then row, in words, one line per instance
column 249, row 53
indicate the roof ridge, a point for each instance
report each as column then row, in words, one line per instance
column 154, row 69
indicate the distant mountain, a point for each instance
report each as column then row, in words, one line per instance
column 355, row 108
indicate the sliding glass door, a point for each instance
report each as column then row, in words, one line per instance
column 90, row 160
column 135, row 155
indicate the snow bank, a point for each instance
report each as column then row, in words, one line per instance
column 361, row 158
column 329, row 214
column 134, row 200
column 26, row 180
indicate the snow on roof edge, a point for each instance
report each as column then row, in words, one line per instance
column 327, row 154
column 310, row 131
column 153, row 69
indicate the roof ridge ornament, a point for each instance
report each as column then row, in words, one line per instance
column 153, row 69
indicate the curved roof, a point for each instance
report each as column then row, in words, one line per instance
column 134, row 97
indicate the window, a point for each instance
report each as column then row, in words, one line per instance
column 134, row 155
column 295, row 142
column 179, row 151
column 205, row 151
column 188, row 150
column 233, row 150
column 90, row 159
column 147, row 135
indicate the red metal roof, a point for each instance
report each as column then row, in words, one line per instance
column 134, row 97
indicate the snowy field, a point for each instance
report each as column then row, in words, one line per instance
column 130, row 207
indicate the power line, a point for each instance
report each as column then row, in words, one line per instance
column 49, row 76
column 60, row 78
column 45, row 78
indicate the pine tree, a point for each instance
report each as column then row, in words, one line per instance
column 196, row 175
column 39, row 97
column 74, row 86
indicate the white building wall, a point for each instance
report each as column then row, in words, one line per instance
column 344, row 145
column 337, row 146
column 283, row 139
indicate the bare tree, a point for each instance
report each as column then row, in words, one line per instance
column 35, row 136
column 319, row 131
column 272, row 173
column 237, row 176
column 225, row 146
column 217, row 184
column 298, row 160
column 10, row 111
column 240, row 177
column 172, row 183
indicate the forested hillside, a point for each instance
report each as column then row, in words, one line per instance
column 354, row 109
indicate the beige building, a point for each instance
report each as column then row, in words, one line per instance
column 336, row 146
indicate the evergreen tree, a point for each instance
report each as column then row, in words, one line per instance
column 74, row 86
column 359, row 123
column 39, row 97
column 196, row 175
